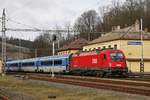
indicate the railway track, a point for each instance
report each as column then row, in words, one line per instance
column 128, row 86
column 133, row 86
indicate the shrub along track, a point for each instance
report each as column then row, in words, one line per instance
column 128, row 86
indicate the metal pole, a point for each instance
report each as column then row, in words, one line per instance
column 58, row 43
column 53, row 75
column 3, row 43
column 142, row 61
column 35, row 53
column 20, row 57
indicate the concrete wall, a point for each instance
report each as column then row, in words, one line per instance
column 134, row 51
column 134, row 66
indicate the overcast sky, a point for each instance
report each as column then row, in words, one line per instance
column 46, row 14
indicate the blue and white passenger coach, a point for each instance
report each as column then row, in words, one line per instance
column 54, row 63
column 40, row 64
column 13, row 65
column 29, row 65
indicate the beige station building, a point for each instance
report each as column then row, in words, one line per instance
column 127, row 40
column 73, row 46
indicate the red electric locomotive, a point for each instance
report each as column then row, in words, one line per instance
column 99, row 63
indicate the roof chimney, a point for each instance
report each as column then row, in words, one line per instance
column 118, row 27
column 145, row 30
column 137, row 25
column 115, row 28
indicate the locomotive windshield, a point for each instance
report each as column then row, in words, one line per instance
column 116, row 56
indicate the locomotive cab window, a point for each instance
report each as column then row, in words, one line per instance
column 116, row 56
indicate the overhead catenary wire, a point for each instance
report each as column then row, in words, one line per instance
column 33, row 29
column 9, row 19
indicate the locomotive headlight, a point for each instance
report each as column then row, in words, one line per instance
column 109, row 64
column 119, row 65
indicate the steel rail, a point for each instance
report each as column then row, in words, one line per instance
column 141, row 90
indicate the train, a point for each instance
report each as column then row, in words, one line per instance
column 98, row 63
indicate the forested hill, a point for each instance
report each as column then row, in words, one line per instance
column 118, row 14
column 19, row 42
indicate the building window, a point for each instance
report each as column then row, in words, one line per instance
column 109, row 46
column 90, row 49
column 94, row 49
column 85, row 49
column 115, row 46
column 104, row 47
column 99, row 48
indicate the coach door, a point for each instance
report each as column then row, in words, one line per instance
column 104, row 60
column 37, row 65
column 19, row 64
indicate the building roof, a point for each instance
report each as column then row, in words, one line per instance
column 74, row 45
column 128, row 33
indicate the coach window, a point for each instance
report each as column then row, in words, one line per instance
column 14, row 65
column 115, row 46
column 28, row 64
column 46, row 63
column 57, row 62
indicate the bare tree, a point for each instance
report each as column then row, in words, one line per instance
column 87, row 22
column 43, row 44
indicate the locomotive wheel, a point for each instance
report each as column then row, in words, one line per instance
column 102, row 74
column 108, row 75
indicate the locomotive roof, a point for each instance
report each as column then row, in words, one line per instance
column 92, row 52
column 85, row 53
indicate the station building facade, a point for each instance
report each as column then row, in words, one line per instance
column 123, row 39
column 73, row 47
